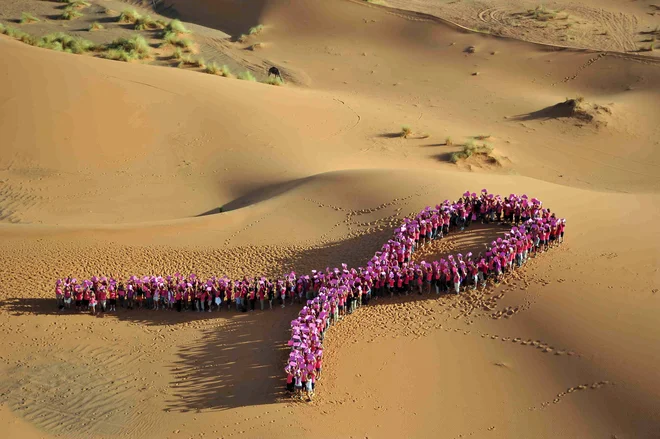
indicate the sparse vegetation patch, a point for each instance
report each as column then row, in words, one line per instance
column 256, row 29
column 177, row 27
column 70, row 14
column 540, row 13
column 172, row 39
column 129, row 16
column 78, row 4
column 274, row 80
column 96, row 26
column 212, row 69
column 470, row 149
column 66, row 43
column 27, row 18
column 128, row 49
column 246, row 76
column 147, row 23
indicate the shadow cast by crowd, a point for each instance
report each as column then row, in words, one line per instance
column 237, row 365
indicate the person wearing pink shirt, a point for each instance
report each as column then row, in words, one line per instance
column 457, row 283
column 130, row 297
column 92, row 303
column 102, row 299
column 60, row 298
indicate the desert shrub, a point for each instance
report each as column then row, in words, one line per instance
column 27, row 18
column 8, row 30
column 177, row 27
column 70, row 14
column 77, row 4
column 28, row 39
column 212, row 69
column 186, row 60
column 172, row 39
column 448, row 141
column 135, row 47
column 224, row 71
column 177, row 53
column 256, row 29
column 246, row 76
column 147, row 23
column 274, row 80
column 194, row 62
column 96, row 26
column 406, row 131
column 540, row 13
column 19, row 35
column 471, row 148
column 66, row 43
column 129, row 16
column 119, row 55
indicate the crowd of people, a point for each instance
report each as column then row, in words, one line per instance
column 328, row 295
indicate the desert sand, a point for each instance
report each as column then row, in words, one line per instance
column 140, row 168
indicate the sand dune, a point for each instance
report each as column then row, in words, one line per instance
column 119, row 169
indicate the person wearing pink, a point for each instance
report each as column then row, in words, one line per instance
column 102, row 298
column 67, row 298
column 60, row 298
column 92, row 303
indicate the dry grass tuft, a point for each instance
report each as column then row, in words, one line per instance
column 177, row 27
column 78, row 4
column 256, row 29
column 173, row 39
column 406, row 132
column 540, row 13
column 128, row 49
column 129, row 16
column 246, row 76
column 66, row 43
column 147, row 23
column 471, row 148
column 27, row 18
column 96, row 26
column 274, row 80
column 212, row 69
column 224, row 71
column 70, row 14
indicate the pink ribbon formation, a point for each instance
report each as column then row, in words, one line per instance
column 390, row 269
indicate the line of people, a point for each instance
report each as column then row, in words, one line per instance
column 328, row 294
column 392, row 269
